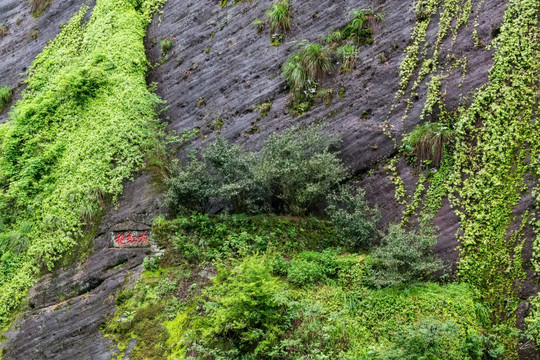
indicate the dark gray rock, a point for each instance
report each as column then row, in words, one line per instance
column 218, row 56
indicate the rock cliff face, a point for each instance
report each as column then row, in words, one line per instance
column 219, row 67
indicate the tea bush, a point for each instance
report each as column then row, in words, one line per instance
column 404, row 257
column 291, row 174
column 354, row 219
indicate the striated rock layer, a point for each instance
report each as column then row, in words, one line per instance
column 219, row 67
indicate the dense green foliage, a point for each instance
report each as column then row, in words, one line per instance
column 83, row 126
column 291, row 174
column 495, row 137
column 495, row 147
column 264, row 288
column 404, row 257
column 354, row 219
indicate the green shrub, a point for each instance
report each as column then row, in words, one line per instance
column 5, row 96
column 432, row 339
column 298, row 168
column 347, row 55
column 246, row 313
column 291, row 174
column 224, row 174
column 302, row 272
column 427, row 142
column 3, row 30
column 358, row 29
column 304, row 68
column 403, row 257
column 353, row 218
column 279, row 16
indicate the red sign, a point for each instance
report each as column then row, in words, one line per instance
column 131, row 239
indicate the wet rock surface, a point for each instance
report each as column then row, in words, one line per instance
column 219, row 67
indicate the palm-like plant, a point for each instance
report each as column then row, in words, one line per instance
column 427, row 141
column 358, row 28
column 304, row 68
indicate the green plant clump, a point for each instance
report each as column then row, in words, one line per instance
column 347, row 55
column 303, row 70
column 5, row 96
column 84, row 124
column 291, row 174
column 354, row 220
column 404, row 257
column 286, row 299
column 427, row 142
column 279, row 16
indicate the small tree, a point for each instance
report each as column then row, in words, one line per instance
column 298, row 168
column 353, row 218
column 246, row 312
column 404, row 257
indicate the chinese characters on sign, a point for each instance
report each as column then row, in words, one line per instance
column 123, row 239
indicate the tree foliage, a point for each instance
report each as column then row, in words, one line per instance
column 291, row 174
column 404, row 257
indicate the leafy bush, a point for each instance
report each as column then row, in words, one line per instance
column 224, row 173
column 279, row 16
column 432, row 339
column 5, row 96
column 404, row 257
column 302, row 272
column 3, row 30
column 353, row 218
column 291, row 174
column 298, row 168
column 358, row 29
column 246, row 313
column 427, row 142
